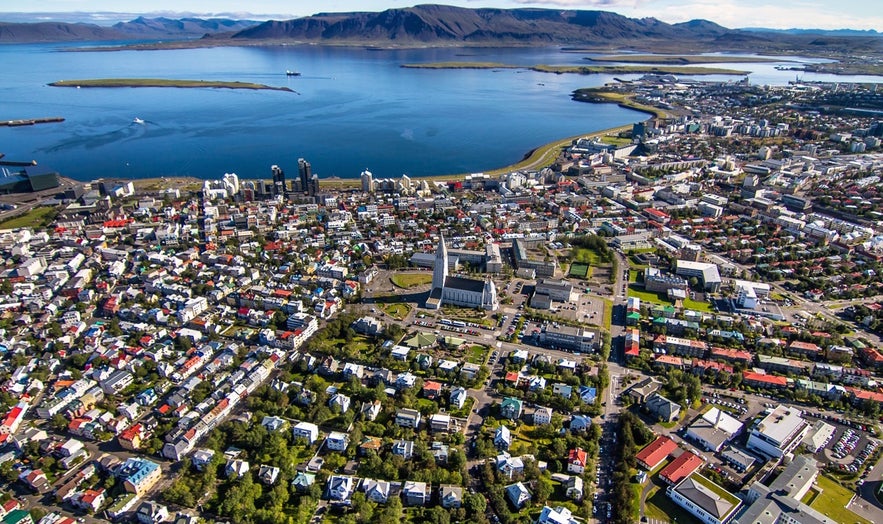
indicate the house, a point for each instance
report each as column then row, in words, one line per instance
column 376, row 490
column 542, row 416
column 273, row 423
column 562, row 390
column 90, row 500
column 588, row 394
column 440, row 452
column 503, row 438
column 662, row 408
column 576, row 460
column 306, row 431
column 341, row 401
column 559, row 515
column 580, row 423
column 151, row 513
column 370, row 410
column 368, row 444
column 574, row 487
column 408, row 418
column 302, row 481
column 403, row 448
column 450, row 496
column 439, row 422
column 337, row 441
column 201, row 458
column 511, row 408
column 268, row 474
column 509, row 465
column 340, row 488
column 680, row 468
column 517, row 494
column 415, row 493
column 236, row 468
column 642, row 390
column 432, row 389
column 457, row 398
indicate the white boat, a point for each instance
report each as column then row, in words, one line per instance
column 138, row 120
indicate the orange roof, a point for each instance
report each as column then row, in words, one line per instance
column 765, row 379
column 578, row 456
column 656, row 451
column 680, row 468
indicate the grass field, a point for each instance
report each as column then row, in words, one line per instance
column 35, row 218
column 659, row 507
column 608, row 313
column 637, row 290
column 586, row 256
column 476, row 354
column 579, row 270
column 832, row 501
column 409, row 280
column 396, row 311
column 695, row 305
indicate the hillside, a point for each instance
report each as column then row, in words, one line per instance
column 162, row 27
column 139, row 28
column 56, row 32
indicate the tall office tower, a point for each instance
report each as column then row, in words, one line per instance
column 367, row 182
column 278, row 181
column 313, row 188
column 306, row 173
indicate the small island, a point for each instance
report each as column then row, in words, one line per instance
column 682, row 59
column 584, row 70
column 159, row 82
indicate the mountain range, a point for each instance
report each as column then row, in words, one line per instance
column 448, row 25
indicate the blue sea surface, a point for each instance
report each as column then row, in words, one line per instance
column 352, row 109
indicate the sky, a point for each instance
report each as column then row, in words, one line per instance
column 781, row 14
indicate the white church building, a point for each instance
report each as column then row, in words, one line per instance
column 458, row 291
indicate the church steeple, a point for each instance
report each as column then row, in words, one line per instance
column 440, row 271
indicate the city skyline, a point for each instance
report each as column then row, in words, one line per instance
column 810, row 14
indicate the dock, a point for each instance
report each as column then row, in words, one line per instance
column 30, row 121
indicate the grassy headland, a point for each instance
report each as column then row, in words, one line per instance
column 584, row 70
column 680, row 59
column 160, row 82
column 598, row 95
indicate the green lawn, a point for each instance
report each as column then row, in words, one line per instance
column 695, row 305
column 608, row 313
column 659, row 507
column 35, row 218
column 637, row 290
column 832, row 501
column 396, row 311
column 586, row 256
column 476, row 354
column 409, row 280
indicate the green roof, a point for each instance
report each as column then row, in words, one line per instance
column 15, row 516
column 420, row 340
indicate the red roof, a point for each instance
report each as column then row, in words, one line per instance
column 577, row 456
column 760, row 378
column 656, row 452
column 512, row 376
column 680, row 468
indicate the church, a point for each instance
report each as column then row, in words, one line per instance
column 458, row 291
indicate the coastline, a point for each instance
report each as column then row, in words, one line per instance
column 160, row 82
column 535, row 159
column 586, row 70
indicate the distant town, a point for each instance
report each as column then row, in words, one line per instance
column 678, row 321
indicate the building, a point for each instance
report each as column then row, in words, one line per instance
column 511, row 408
column 548, row 291
column 408, row 418
column 502, row 438
column 450, row 497
column 704, row 499
column 376, row 490
column 139, row 475
column 559, row 515
column 680, row 468
column 779, row 433
column 659, row 282
column 570, row 338
column 415, row 493
column 458, row 291
column 713, row 429
column 337, row 441
column 576, row 461
column 517, row 494
column 340, row 488
column 307, row 431
column 662, row 408
column 707, row 273
column 542, row 416
column 780, row 501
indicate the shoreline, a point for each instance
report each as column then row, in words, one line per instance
column 160, row 82
column 660, row 69
column 534, row 159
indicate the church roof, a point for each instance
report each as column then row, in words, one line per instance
column 465, row 284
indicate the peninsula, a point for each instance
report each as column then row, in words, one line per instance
column 584, row 70
column 682, row 59
column 159, row 82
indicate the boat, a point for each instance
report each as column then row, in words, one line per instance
column 137, row 120
column 289, row 72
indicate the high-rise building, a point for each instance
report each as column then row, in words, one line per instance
column 278, row 181
column 305, row 173
column 367, row 182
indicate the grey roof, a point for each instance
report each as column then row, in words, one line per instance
column 708, row 500
column 465, row 284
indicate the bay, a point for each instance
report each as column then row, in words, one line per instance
column 353, row 109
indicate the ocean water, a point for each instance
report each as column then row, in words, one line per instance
column 352, row 109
